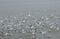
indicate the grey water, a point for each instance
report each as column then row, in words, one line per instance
column 34, row 7
column 37, row 7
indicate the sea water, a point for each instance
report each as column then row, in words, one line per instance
column 29, row 19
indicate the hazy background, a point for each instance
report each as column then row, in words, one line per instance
column 36, row 7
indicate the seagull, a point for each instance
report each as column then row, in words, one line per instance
column 14, row 17
column 57, row 29
column 43, row 33
column 1, row 21
column 7, row 34
column 29, row 15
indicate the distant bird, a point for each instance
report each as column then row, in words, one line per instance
column 43, row 33
column 57, row 29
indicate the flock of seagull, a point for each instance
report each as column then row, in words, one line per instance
column 28, row 24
